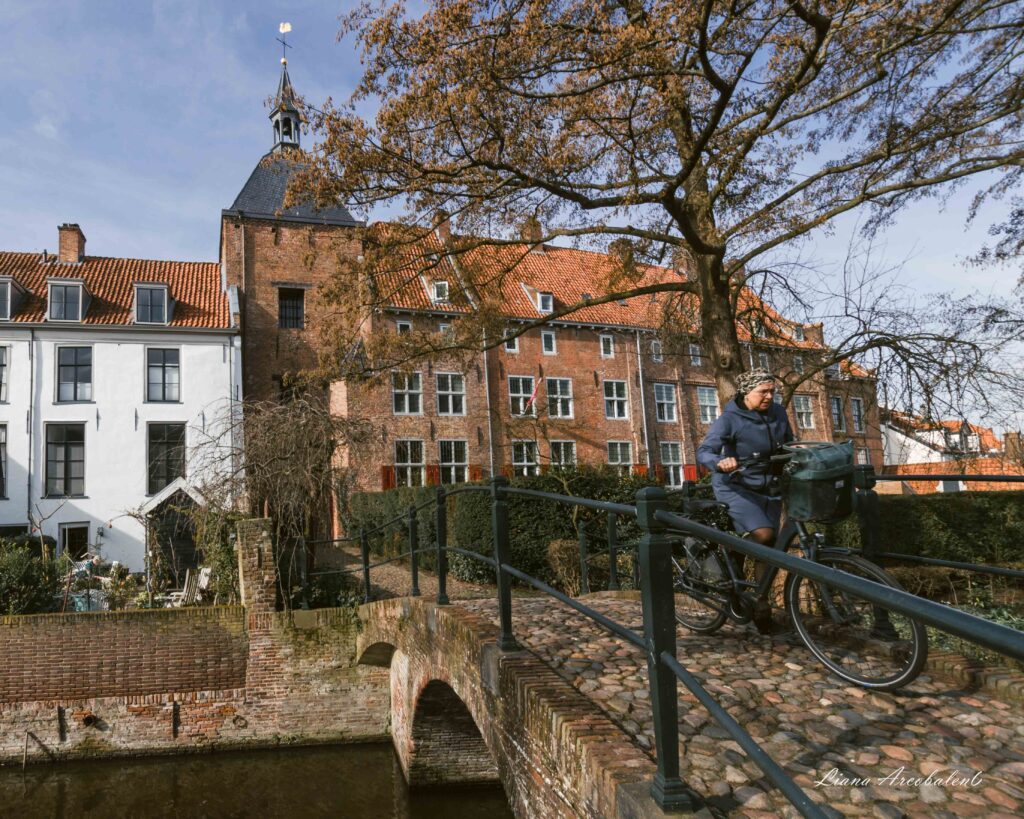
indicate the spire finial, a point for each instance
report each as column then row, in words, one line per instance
column 284, row 28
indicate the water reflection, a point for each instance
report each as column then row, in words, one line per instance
column 350, row 781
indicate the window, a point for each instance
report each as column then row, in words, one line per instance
column 440, row 291
column 759, row 329
column 521, row 395
column 4, row 353
column 832, row 371
column 74, row 540
column 151, row 305
column 763, row 361
column 406, row 393
column 65, row 460
column 524, row 457
column 563, row 454
column 835, row 403
column 804, row 411
column 163, row 375
column 166, row 455
column 545, row 302
column 5, row 300
column 620, row 456
column 445, row 330
column 560, row 397
column 671, row 460
column 695, row 357
column 512, row 344
column 74, row 373
column 863, row 455
column 547, row 342
column 607, row 346
column 403, row 327
column 798, row 333
column 66, row 302
column 778, row 397
column 656, row 354
column 974, row 442
column 454, row 461
column 798, row 363
column 857, row 408
column 707, row 401
column 665, row 402
column 291, row 304
column 409, row 463
column 615, row 399
column 451, row 394
column 3, row 460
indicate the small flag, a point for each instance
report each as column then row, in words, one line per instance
column 533, row 396
column 284, row 28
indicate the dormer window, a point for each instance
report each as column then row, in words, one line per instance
column 440, row 291
column 798, row 333
column 545, row 302
column 5, row 301
column 150, row 305
column 65, row 302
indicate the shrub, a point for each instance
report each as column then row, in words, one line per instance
column 367, row 510
column 28, row 585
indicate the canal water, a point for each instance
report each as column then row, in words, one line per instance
column 349, row 781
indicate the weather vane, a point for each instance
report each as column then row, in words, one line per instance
column 284, row 28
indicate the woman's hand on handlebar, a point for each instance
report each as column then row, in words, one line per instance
column 727, row 465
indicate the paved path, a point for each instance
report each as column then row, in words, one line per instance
column 817, row 727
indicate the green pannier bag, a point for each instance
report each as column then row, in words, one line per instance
column 818, row 480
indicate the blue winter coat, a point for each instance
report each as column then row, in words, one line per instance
column 742, row 433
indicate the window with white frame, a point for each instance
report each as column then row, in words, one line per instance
column 615, row 405
column 445, row 330
column 406, row 393
column 547, row 342
column 620, row 456
column 524, row 457
column 798, row 363
column 166, row 455
column 440, row 292
column 545, row 302
column 451, row 394
column 835, row 403
column 695, row 355
column 520, row 395
column 65, row 460
column 403, row 327
column 3, row 460
column 778, row 397
column 4, row 354
column 74, row 540
column 5, row 301
column 150, row 304
column 656, row 353
column 763, row 361
column 672, row 462
column 512, row 344
column 863, row 455
column 804, row 410
column 163, row 374
column 707, row 402
column 559, row 397
column 454, row 461
column 607, row 346
column 74, row 373
column 65, row 302
column 857, row 410
column 973, row 442
column 758, row 328
column 563, row 454
column 798, row 332
column 409, row 467
column 665, row 402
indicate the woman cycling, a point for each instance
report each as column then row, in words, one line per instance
column 752, row 426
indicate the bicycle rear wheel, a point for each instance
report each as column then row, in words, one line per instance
column 701, row 578
column 859, row 641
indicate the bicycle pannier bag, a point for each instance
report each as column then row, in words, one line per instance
column 819, row 481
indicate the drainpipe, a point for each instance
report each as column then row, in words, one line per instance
column 487, row 393
column 30, row 419
column 643, row 401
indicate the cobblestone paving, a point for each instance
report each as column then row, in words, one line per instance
column 872, row 753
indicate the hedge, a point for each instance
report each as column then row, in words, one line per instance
column 973, row 527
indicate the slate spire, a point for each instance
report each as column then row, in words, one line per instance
column 285, row 115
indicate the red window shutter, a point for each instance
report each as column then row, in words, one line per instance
column 387, row 477
column 640, row 470
column 506, row 470
column 433, row 474
column 690, row 472
column 659, row 473
column 476, row 472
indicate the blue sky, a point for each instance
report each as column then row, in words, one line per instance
column 142, row 120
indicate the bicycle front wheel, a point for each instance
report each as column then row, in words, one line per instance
column 702, row 580
column 860, row 642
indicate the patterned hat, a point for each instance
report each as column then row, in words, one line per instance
column 747, row 381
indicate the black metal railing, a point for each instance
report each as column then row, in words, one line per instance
column 658, row 638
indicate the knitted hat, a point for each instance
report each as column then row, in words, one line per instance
column 747, row 381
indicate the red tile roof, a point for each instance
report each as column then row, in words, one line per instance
column 967, row 466
column 988, row 440
column 194, row 286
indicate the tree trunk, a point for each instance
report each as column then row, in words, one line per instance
column 718, row 326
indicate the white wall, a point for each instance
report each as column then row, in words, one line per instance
column 115, row 423
column 900, row 448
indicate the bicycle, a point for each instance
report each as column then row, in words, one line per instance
column 857, row 640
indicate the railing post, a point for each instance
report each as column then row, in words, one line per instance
column 441, row 524
column 669, row 791
column 613, row 553
column 364, row 547
column 499, row 526
column 865, row 503
column 584, row 569
column 414, row 545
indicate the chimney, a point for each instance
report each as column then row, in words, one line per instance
column 442, row 225
column 72, row 244
column 1014, row 447
column 531, row 232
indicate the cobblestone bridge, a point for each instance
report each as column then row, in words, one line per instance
column 567, row 727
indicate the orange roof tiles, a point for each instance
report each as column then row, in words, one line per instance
column 988, row 440
column 194, row 286
column 967, row 466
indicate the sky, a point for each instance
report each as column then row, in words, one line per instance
column 140, row 121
